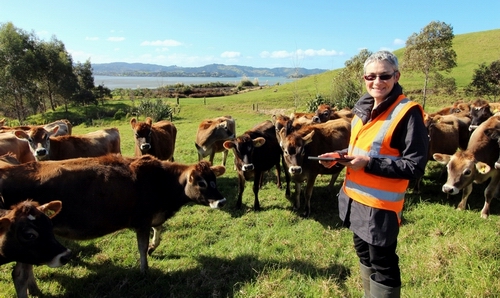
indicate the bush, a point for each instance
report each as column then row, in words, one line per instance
column 313, row 104
column 157, row 110
column 120, row 114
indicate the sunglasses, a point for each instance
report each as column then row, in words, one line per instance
column 384, row 77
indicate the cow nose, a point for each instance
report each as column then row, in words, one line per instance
column 295, row 170
column 218, row 204
column 247, row 167
column 145, row 147
column 448, row 189
column 41, row 152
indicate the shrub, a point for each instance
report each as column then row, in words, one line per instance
column 120, row 114
column 157, row 110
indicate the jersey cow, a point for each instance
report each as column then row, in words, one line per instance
column 157, row 139
column 325, row 112
column 474, row 165
column 45, row 146
column 313, row 140
column 104, row 194
column 10, row 144
column 211, row 135
column 256, row 151
column 26, row 236
column 65, row 127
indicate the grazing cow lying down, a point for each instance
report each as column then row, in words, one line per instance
column 157, row 139
column 26, row 236
column 44, row 145
column 105, row 194
column 211, row 135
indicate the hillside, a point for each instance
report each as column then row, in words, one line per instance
column 212, row 70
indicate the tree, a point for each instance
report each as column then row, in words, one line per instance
column 486, row 81
column 430, row 51
column 85, row 94
column 18, row 67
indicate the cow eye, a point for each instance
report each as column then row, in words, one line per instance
column 29, row 235
column 467, row 172
column 203, row 184
column 212, row 184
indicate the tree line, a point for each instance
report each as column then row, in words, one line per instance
column 37, row 75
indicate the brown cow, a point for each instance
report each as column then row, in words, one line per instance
column 65, row 127
column 44, row 146
column 105, row 194
column 9, row 143
column 325, row 112
column 157, row 139
column 211, row 135
column 256, row 151
column 474, row 165
column 313, row 140
column 480, row 111
column 26, row 236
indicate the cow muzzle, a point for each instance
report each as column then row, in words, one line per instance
column 452, row 190
column 295, row 170
column 218, row 204
column 145, row 147
column 247, row 167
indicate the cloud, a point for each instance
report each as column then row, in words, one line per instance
column 398, row 42
column 229, row 54
column 91, row 38
column 162, row 43
column 299, row 53
column 116, row 39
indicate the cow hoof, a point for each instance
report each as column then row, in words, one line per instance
column 485, row 216
column 151, row 249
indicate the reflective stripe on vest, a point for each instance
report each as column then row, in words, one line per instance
column 374, row 139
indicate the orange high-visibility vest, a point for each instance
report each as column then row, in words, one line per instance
column 374, row 139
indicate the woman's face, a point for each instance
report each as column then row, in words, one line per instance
column 378, row 87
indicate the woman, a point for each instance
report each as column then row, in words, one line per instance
column 387, row 148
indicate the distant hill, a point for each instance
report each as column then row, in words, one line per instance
column 212, row 70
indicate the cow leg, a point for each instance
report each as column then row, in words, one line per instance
column 142, row 235
column 308, row 194
column 257, row 180
column 241, row 188
column 224, row 157
column 287, row 177
column 212, row 156
column 24, row 280
column 298, row 189
column 333, row 179
column 155, row 242
column 490, row 192
column 465, row 194
column 278, row 175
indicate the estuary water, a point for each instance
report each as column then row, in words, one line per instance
column 113, row 82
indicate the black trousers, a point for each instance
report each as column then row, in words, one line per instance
column 383, row 260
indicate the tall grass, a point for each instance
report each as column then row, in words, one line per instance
column 275, row 252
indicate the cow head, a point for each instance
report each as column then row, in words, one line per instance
column 142, row 134
column 479, row 112
column 38, row 139
column 282, row 121
column 324, row 112
column 294, row 150
column 462, row 169
column 201, row 185
column 243, row 148
column 494, row 134
column 26, row 235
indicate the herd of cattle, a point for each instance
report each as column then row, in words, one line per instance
column 45, row 167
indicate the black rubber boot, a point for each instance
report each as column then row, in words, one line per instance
column 365, row 277
column 378, row 290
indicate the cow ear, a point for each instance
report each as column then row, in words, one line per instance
column 133, row 122
column 218, row 170
column 148, row 121
column 257, row 142
column 442, row 158
column 482, row 167
column 51, row 209
column 4, row 225
column 228, row 145
column 308, row 137
column 54, row 130
column 21, row 134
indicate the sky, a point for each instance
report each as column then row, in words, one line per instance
column 261, row 33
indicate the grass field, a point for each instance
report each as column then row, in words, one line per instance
column 275, row 252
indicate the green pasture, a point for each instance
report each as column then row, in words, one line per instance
column 275, row 252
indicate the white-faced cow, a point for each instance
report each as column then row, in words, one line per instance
column 474, row 165
column 26, row 237
column 313, row 140
column 157, row 139
column 9, row 143
column 105, row 194
column 45, row 146
column 211, row 135
column 255, row 152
